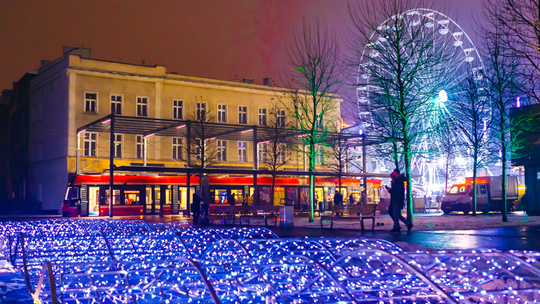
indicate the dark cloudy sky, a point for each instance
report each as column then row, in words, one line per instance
column 208, row 38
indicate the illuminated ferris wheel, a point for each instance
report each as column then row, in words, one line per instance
column 462, row 60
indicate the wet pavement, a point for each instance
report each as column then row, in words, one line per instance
column 505, row 238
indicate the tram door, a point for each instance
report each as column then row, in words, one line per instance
column 93, row 201
column 149, row 200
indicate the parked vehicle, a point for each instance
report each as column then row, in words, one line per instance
column 489, row 195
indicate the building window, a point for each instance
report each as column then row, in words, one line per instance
column 319, row 155
column 116, row 104
column 178, row 106
column 262, row 117
column 198, row 144
column 242, row 115
column 222, row 113
column 140, row 146
column 90, row 144
column 90, row 102
column 118, row 145
column 222, row 150
column 282, row 150
column 242, row 151
column 262, row 152
column 142, row 106
column 201, row 111
column 281, row 118
column 177, row 148
column 319, row 122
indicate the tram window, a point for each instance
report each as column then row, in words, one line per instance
column 131, row 197
column 220, row 196
column 116, row 196
column 238, row 195
column 75, row 193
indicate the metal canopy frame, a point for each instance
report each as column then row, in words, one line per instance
column 178, row 128
column 146, row 126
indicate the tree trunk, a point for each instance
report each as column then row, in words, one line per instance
column 311, row 182
column 446, row 173
column 395, row 156
column 272, row 191
column 504, row 202
column 475, row 193
column 409, row 185
column 339, row 182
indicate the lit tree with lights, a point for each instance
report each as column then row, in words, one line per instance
column 314, row 81
column 396, row 58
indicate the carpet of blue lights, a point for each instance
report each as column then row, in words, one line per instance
column 107, row 261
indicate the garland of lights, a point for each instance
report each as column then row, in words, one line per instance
column 107, row 261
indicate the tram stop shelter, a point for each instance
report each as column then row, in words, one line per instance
column 148, row 127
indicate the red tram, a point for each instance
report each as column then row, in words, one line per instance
column 88, row 195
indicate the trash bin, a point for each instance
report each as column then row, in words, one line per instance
column 286, row 217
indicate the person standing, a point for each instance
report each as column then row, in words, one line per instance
column 338, row 200
column 397, row 201
column 196, row 207
column 393, row 176
column 351, row 199
column 438, row 199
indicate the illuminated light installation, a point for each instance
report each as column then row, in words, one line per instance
column 105, row 261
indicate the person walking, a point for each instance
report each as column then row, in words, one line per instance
column 351, row 199
column 397, row 201
column 196, row 207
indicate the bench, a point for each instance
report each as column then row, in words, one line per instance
column 225, row 213
column 351, row 212
column 264, row 212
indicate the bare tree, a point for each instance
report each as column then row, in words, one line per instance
column 341, row 157
column 473, row 118
column 501, row 75
column 314, row 80
column 450, row 147
column 401, row 75
column 202, row 144
column 518, row 24
column 275, row 152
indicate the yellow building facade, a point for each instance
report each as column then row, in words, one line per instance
column 75, row 90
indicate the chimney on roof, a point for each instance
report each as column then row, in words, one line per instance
column 248, row 80
column 83, row 52
column 268, row 81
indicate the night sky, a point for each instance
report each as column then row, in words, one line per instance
column 207, row 38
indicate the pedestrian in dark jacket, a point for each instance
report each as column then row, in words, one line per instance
column 338, row 200
column 196, row 207
column 397, row 202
